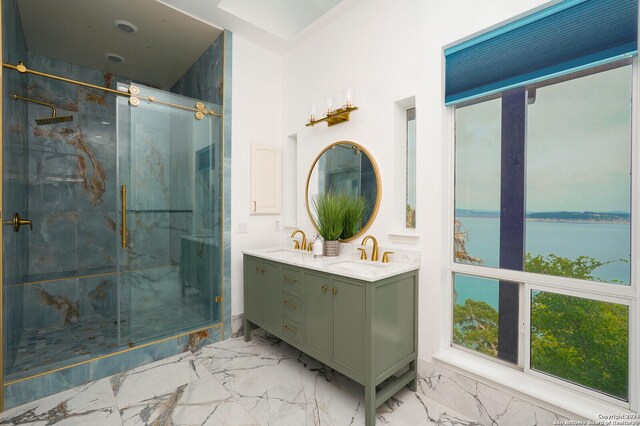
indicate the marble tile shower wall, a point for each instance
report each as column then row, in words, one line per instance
column 14, row 135
column 72, row 198
column 205, row 80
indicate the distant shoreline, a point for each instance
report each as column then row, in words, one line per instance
column 617, row 218
column 555, row 220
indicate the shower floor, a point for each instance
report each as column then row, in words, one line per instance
column 47, row 349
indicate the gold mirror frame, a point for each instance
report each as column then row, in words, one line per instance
column 374, row 212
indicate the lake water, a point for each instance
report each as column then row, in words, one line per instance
column 602, row 241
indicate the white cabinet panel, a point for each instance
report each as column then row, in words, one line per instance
column 265, row 179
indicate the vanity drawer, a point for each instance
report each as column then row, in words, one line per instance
column 291, row 278
column 291, row 304
column 292, row 329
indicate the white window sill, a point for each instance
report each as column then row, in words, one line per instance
column 530, row 388
column 404, row 237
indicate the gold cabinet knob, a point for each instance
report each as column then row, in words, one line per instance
column 324, row 288
column 334, row 290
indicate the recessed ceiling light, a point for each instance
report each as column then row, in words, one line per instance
column 113, row 57
column 125, row 26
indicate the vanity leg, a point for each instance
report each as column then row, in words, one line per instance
column 370, row 405
column 413, row 366
column 247, row 330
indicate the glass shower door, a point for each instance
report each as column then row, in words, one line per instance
column 166, row 180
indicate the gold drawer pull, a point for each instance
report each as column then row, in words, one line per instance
column 324, row 288
column 288, row 278
column 291, row 329
column 293, row 305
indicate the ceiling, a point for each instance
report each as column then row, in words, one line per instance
column 167, row 43
column 273, row 24
column 282, row 18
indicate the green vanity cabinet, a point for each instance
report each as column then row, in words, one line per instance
column 261, row 292
column 348, row 325
column 367, row 330
column 317, row 314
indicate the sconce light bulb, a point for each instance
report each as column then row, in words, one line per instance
column 329, row 102
column 348, row 96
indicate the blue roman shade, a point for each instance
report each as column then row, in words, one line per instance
column 566, row 37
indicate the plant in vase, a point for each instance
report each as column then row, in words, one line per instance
column 329, row 216
column 353, row 207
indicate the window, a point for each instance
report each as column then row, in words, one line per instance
column 410, row 167
column 543, row 203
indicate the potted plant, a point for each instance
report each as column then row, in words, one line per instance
column 329, row 216
column 353, row 207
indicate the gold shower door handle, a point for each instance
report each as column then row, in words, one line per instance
column 123, row 227
column 16, row 222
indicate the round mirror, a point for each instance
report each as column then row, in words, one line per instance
column 345, row 168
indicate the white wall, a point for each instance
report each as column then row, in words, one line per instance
column 390, row 50
column 256, row 119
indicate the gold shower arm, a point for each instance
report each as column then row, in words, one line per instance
column 22, row 98
column 200, row 111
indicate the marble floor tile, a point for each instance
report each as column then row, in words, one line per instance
column 202, row 402
column 416, row 409
column 155, row 379
column 262, row 382
column 90, row 404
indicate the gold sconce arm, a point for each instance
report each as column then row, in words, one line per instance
column 334, row 117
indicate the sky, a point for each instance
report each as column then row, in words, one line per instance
column 578, row 147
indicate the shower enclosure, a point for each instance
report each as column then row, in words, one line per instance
column 112, row 204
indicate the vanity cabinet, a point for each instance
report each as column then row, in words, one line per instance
column 262, row 291
column 367, row 330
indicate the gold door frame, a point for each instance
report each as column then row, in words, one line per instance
column 2, row 231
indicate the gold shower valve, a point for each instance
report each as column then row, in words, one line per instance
column 200, row 106
column 134, row 101
column 199, row 115
column 134, row 90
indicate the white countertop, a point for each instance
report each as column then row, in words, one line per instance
column 346, row 265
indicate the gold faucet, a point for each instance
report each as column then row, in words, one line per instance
column 304, row 239
column 374, row 253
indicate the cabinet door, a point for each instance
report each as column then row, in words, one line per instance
column 317, row 313
column 270, row 282
column 265, row 179
column 252, row 288
column 348, row 323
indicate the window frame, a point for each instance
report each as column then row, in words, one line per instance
column 405, row 168
column 623, row 294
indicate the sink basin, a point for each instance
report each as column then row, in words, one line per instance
column 360, row 266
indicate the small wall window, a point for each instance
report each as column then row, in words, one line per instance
column 410, row 169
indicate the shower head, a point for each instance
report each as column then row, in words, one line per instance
column 54, row 119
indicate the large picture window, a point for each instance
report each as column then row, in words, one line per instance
column 543, row 186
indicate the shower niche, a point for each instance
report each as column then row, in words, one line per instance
column 119, row 172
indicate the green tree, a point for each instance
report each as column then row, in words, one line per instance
column 580, row 340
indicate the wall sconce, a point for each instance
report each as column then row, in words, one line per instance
column 334, row 116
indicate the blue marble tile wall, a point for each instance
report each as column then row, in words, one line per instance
column 15, row 138
column 72, row 171
column 208, row 80
column 226, row 194
column 72, row 203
